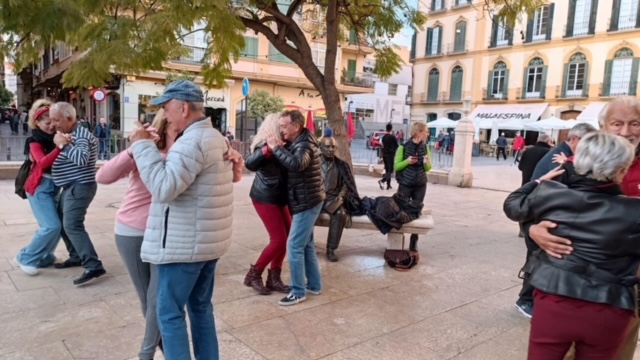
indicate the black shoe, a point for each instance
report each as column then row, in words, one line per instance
column 331, row 255
column 380, row 183
column 67, row 264
column 89, row 275
column 389, row 187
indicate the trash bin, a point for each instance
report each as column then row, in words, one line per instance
column 476, row 150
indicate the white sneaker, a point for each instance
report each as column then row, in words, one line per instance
column 29, row 270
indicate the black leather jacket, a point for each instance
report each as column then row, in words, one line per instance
column 604, row 228
column 302, row 161
column 269, row 185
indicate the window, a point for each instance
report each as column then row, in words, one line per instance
column 318, row 54
column 501, row 33
column 250, row 47
column 621, row 74
column 351, row 69
column 393, row 90
column 433, row 86
column 540, row 25
column 437, row 5
column 434, row 41
column 276, row 56
column 460, row 37
column 462, row 2
column 624, row 15
column 534, row 79
column 498, row 81
column 575, row 75
column 413, row 46
column 196, row 42
column 455, row 89
column 582, row 17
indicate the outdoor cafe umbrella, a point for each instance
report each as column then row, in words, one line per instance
column 310, row 125
column 552, row 123
column 351, row 129
column 442, row 122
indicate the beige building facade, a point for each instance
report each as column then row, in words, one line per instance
column 569, row 55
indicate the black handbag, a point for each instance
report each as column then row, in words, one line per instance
column 21, row 178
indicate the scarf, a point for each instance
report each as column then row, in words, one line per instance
column 42, row 138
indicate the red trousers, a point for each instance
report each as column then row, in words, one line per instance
column 598, row 330
column 277, row 221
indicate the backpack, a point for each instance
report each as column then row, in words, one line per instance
column 21, row 178
column 401, row 260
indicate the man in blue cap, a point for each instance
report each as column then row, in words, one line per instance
column 189, row 224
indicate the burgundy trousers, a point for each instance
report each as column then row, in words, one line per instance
column 277, row 221
column 598, row 330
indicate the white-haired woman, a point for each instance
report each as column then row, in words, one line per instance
column 41, row 191
column 588, row 297
column 269, row 196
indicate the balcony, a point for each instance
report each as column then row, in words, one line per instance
column 364, row 80
column 499, row 43
column 533, row 95
column 438, row 9
column 456, row 4
column 503, row 96
column 624, row 23
column 426, row 98
column 577, row 32
column 456, row 97
column 621, row 88
column 454, row 48
column 191, row 54
column 572, row 94
column 437, row 53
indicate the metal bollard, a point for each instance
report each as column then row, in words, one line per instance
column 8, row 153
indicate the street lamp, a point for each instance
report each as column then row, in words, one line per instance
column 349, row 106
column 391, row 116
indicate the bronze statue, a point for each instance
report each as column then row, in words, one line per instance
column 341, row 195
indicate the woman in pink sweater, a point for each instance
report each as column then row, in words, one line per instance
column 131, row 221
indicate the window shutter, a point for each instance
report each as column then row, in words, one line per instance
column 427, row 50
column 433, row 5
column 543, row 85
column 525, row 82
column 585, row 89
column 638, row 16
column 505, row 88
column 460, row 36
column 633, row 84
column 530, row 29
column 494, row 33
column 565, row 81
column 615, row 16
column 413, row 46
column 490, row 84
column 455, row 89
column 592, row 19
column 439, row 40
column 550, row 20
column 432, row 94
column 606, row 85
column 571, row 18
column 511, row 31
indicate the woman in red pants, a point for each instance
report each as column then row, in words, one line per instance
column 269, row 197
column 588, row 297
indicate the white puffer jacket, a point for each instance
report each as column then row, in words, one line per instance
column 192, row 197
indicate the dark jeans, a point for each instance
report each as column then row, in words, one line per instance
column 526, row 293
column 388, row 168
column 501, row 150
column 104, row 153
column 415, row 193
column 72, row 208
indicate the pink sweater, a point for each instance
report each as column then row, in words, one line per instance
column 135, row 207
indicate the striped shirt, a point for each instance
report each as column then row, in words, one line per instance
column 76, row 163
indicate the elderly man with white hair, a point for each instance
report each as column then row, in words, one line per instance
column 620, row 117
column 587, row 298
column 75, row 172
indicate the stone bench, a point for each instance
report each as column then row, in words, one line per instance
column 395, row 238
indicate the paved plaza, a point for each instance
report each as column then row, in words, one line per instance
column 456, row 304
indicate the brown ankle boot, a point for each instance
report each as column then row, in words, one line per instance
column 254, row 280
column 274, row 283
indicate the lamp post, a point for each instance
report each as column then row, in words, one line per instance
column 391, row 115
column 349, row 106
column 460, row 174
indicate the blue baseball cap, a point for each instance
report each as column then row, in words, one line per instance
column 184, row 90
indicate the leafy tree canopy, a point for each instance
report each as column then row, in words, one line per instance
column 175, row 76
column 261, row 104
column 6, row 97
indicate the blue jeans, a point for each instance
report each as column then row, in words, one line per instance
column 189, row 284
column 301, row 249
column 104, row 151
column 72, row 209
column 39, row 252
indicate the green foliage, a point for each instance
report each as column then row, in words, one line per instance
column 178, row 75
column 6, row 97
column 511, row 10
column 261, row 104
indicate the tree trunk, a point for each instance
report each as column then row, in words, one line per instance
column 331, row 99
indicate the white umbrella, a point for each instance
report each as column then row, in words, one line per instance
column 552, row 123
column 511, row 125
column 494, row 133
column 442, row 122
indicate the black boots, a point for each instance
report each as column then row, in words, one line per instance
column 254, row 280
column 413, row 242
column 336, row 227
column 274, row 283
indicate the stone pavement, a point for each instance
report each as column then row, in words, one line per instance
column 456, row 304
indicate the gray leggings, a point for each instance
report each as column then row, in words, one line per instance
column 145, row 279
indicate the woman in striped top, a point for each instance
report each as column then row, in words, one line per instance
column 41, row 191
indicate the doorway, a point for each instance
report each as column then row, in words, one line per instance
column 218, row 118
column 567, row 115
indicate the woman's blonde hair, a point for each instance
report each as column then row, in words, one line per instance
column 33, row 122
column 270, row 124
column 416, row 127
column 601, row 156
column 161, row 124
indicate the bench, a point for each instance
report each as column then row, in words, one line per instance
column 395, row 238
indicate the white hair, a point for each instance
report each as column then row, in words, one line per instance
column 67, row 110
column 270, row 124
column 627, row 101
column 580, row 130
column 600, row 156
